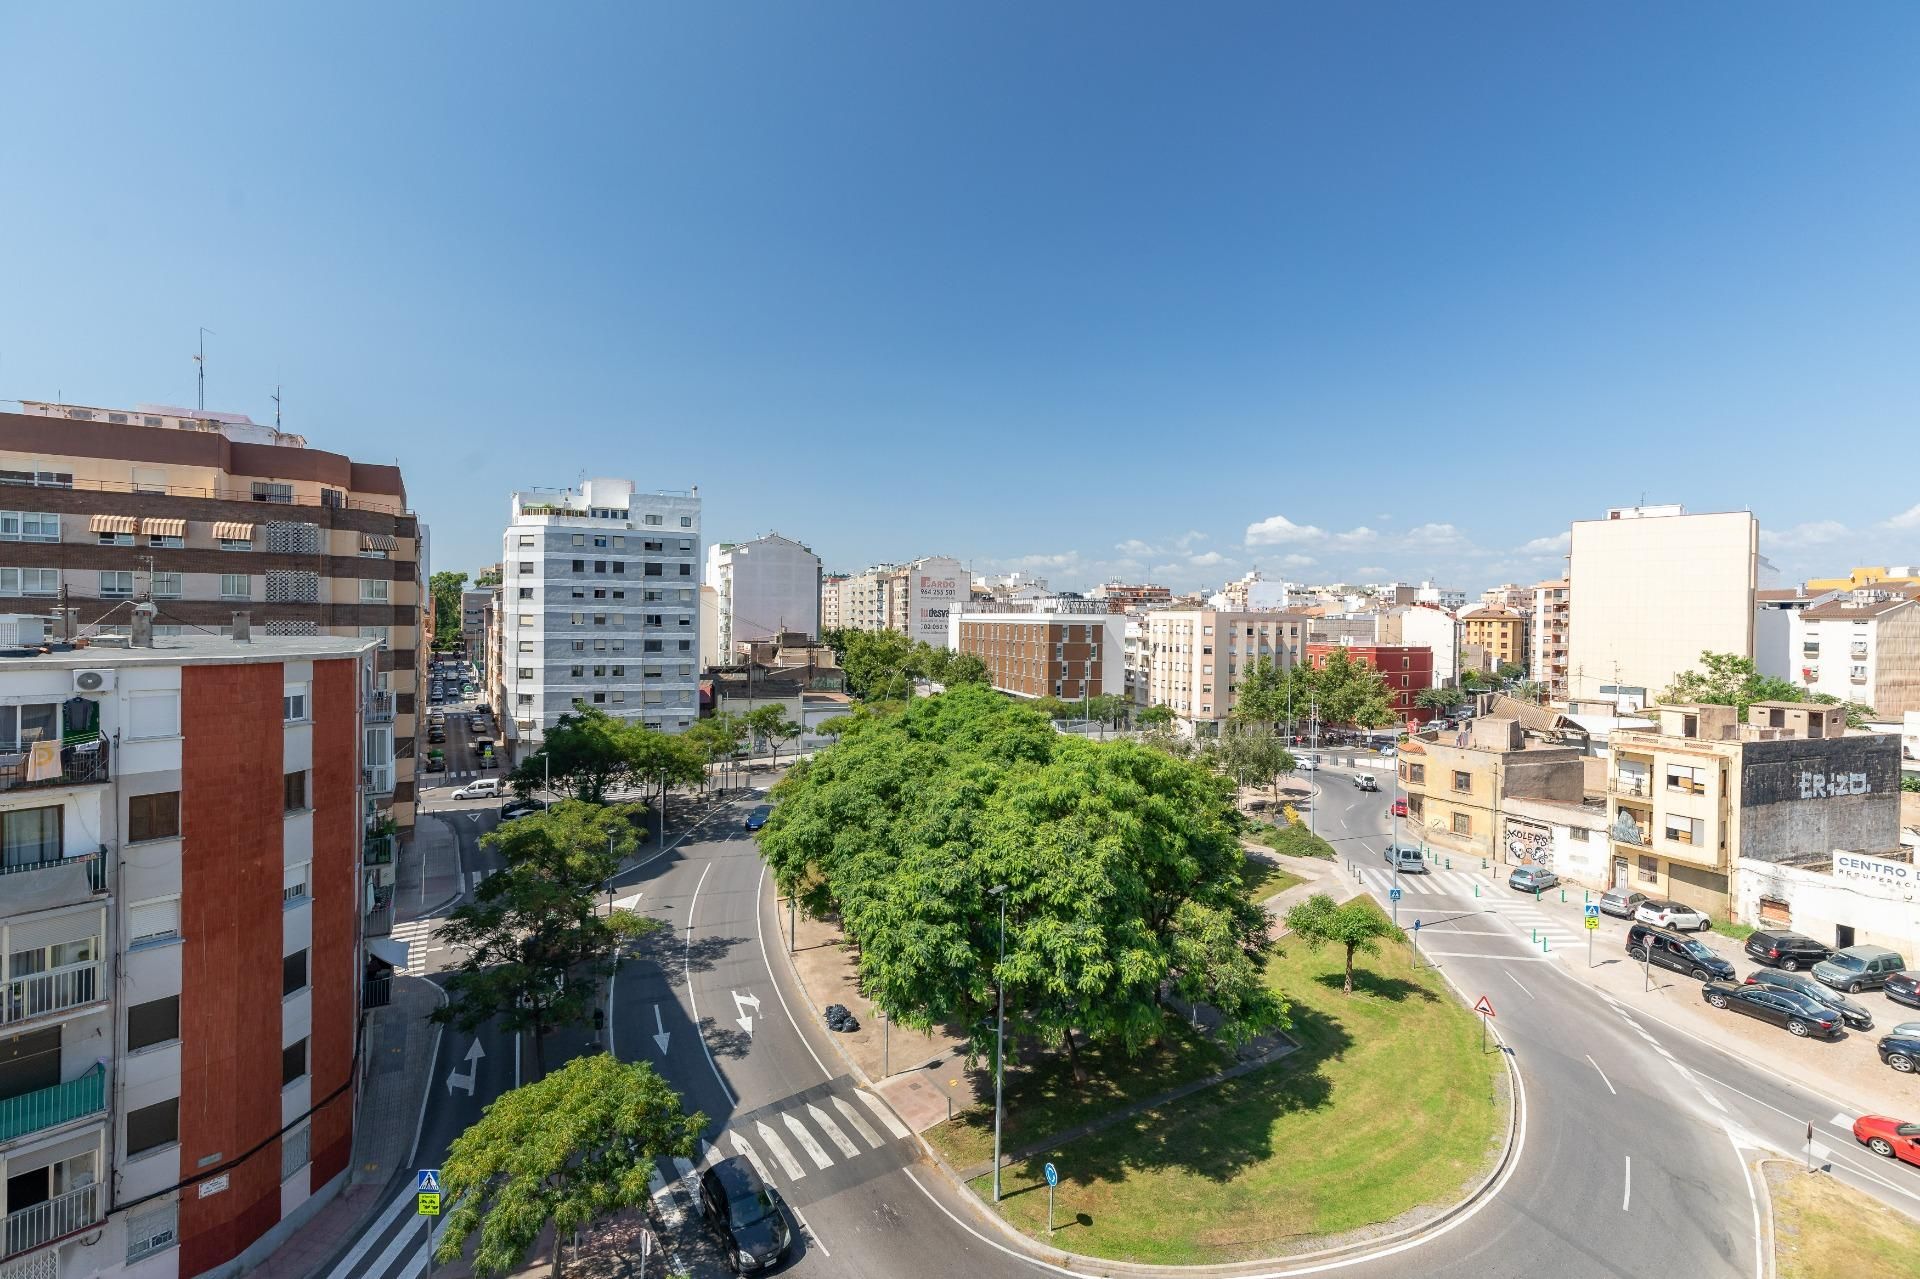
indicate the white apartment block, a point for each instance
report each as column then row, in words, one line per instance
column 1137, row 653
column 1199, row 657
column 830, row 619
column 1508, row 595
column 763, row 588
column 1649, row 588
column 1862, row 646
column 1425, row 626
column 600, row 606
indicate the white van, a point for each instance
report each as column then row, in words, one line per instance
column 1406, row 857
column 484, row 788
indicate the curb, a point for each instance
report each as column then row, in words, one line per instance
column 1769, row 1250
column 1079, row 1263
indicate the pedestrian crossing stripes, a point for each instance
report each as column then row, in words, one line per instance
column 418, row 935
column 1452, row 893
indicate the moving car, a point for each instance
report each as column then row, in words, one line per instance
column 1856, row 1016
column 436, row 763
column 1399, row 808
column 1859, row 968
column 1652, row 945
column 1903, row 988
column 1306, row 764
column 1406, row 857
column 1800, row 1015
column 1365, row 781
column 520, row 807
column 1888, row 1137
column 1621, row 902
column 757, row 816
column 1782, row 949
column 1532, row 879
column 1900, row 1047
column 746, row 1214
column 484, row 788
column 1672, row 915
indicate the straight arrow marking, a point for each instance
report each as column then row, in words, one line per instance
column 660, row 1033
column 740, row 1003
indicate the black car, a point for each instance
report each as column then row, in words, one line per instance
column 1681, row 954
column 1856, row 1016
column 1900, row 1047
column 746, row 1214
column 757, row 816
column 1800, row 1015
column 1903, row 988
column 1791, row 951
column 520, row 808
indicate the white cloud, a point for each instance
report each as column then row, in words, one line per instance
column 1278, row 530
column 1211, row 559
column 1543, row 546
column 1370, row 570
column 1909, row 518
column 1187, row 539
column 1434, row 535
column 1359, row 536
column 1134, row 546
column 1296, row 561
column 1812, row 533
column 1384, row 518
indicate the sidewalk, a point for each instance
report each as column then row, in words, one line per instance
column 427, row 878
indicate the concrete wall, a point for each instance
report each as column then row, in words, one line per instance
column 1801, row 798
column 1817, row 902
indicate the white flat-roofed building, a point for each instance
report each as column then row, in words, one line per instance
column 762, row 588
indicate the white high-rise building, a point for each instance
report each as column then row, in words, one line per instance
column 600, row 600
column 762, row 588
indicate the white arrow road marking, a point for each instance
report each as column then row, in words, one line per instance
column 802, row 1135
column 882, row 1111
column 474, row 818
column 753, row 1156
column 833, row 1132
column 780, row 1151
column 860, row 1125
column 740, row 1004
column 457, row 1080
column 1842, row 1122
column 629, row 903
column 660, row 1033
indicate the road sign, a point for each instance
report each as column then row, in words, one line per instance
column 429, row 1205
column 1484, row 1006
column 1592, row 922
column 1416, row 925
column 1053, row 1175
column 1593, row 911
column 427, row 1181
column 1393, row 894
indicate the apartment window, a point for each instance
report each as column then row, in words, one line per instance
column 151, row 1229
column 116, row 539
column 153, row 714
column 599, row 566
column 651, row 519
column 293, row 973
column 155, row 1022
column 151, row 1127
column 116, row 585
column 235, row 586
column 526, row 592
column 373, row 590
column 599, row 619
column 1686, row 830
column 686, row 521
column 619, row 671
column 166, row 540
column 599, row 699
column 686, row 546
column 686, row 570
column 166, row 586
column 526, row 646
column 526, row 699
column 293, row 1062
column 524, row 672
column 653, row 569
column 295, row 1148
column 686, row 646
column 236, row 543
column 1859, row 674
column 1462, row 824
column 619, row 646
column 579, row 539
column 577, row 672
column 157, row 919
column 579, row 646
column 655, row 619
column 650, row 646
column 1649, row 870
column 296, row 882
column 1692, row 781
column 577, row 619
column 1462, row 781
column 29, row 581
column 1578, row 834
column 294, row 791
column 29, row 526
column 600, row 543
column 293, row 703
column 155, row 816
column 281, row 493
column 31, row 835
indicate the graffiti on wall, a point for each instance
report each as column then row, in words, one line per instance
column 1529, row 845
column 1825, row 785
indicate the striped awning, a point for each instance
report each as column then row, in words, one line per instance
column 376, row 542
column 163, row 528
column 233, row 532
column 112, row 524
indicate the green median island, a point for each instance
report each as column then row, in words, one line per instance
column 1387, row 1109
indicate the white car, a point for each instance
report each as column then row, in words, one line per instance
column 1673, row 915
column 484, row 788
column 1307, row 765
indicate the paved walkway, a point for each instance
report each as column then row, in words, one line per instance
column 428, row 876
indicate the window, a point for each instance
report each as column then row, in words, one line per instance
column 381, row 633
column 154, row 920
column 293, row 1062
column 599, row 699
column 116, row 539
column 166, row 586
column 1692, row 781
column 653, row 569
column 579, row 646
column 373, row 590
column 116, row 585
column 526, row 539
column 1686, row 830
column 525, row 672
column 651, row 519
column 294, row 786
column 294, row 1148
column 29, row 581
column 293, row 703
column 526, row 646
column 600, row 542
column 526, row 619
column 1462, row 781
column 599, row 566
column 236, row 544
column 32, row 835
column 579, row 539
column 264, row 492
column 154, row 1022
column 293, row 973
column 151, row 1127
column 236, row 586
column 29, row 526
column 155, row 816
column 296, row 882
column 1649, row 870
column 686, row 521
column 686, row 570
column 165, row 539
column 619, row 671
column 151, row 1229
column 650, row 646
column 1462, row 824
column 1578, row 834
column 526, row 592
column 579, row 566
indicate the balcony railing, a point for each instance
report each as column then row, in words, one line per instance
column 77, row 766
column 380, row 707
column 46, row 1108
column 379, row 850
column 95, row 864
column 40, row 1265
column 42, row 1223
column 57, row 990
column 377, row 992
column 379, row 921
column 1636, row 788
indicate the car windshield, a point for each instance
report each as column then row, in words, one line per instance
column 1698, row 951
column 745, row 1209
column 1852, row 963
column 1907, row 1028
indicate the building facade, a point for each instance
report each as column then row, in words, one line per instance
column 1407, row 670
column 600, row 606
column 1457, row 784
column 1862, row 646
column 209, row 516
column 1502, row 632
column 1430, row 627
column 766, row 587
column 1069, row 649
column 914, row 599
column 830, row 589
column 183, row 894
column 1120, row 597
column 1547, row 638
column 1199, row 656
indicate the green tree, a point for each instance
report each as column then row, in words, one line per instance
column 1859, row 714
column 660, row 761
column 489, row 578
column 1910, row 782
column 1507, row 672
column 1439, row 699
column 585, row 752
column 769, row 724
column 1052, row 707
column 1529, row 691
column 534, row 942
column 1262, row 698
column 1255, row 759
column 1357, row 927
column 1110, row 709
column 966, row 668
column 565, row 1150
column 1345, row 691
column 445, row 588
column 1728, row 679
column 880, row 665
column 1472, row 680
column 711, row 740
column 1156, row 717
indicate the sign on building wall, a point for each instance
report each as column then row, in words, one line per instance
column 1801, row 798
column 1877, row 875
column 1529, row 845
column 932, row 597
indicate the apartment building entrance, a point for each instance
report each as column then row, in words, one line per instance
column 1619, row 872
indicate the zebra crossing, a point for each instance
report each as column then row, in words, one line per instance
column 418, row 935
column 1453, row 892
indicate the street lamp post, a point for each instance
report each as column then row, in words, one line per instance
column 999, row 1034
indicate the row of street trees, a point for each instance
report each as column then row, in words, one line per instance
column 882, row 666
column 1342, row 692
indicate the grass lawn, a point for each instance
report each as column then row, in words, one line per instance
column 1727, row 928
column 1294, row 841
column 1261, row 879
column 1388, row 1105
column 1824, row 1230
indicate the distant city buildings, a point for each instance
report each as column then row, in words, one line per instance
column 1064, row 648
column 1408, row 671
column 914, row 599
column 1198, row 658
column 1547, row 638
column 1120, row 597
column 762, row 588
column 1502, row 632
column 1862, row 646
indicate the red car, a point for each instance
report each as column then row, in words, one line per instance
column 1399, row 808
column 1889, row 1137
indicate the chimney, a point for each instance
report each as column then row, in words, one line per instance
column 69, row 623
column 241, row 632
column 142, row 636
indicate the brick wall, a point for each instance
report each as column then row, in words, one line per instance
column 335, row 962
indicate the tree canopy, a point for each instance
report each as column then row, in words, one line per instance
column 1121, row 865
column 444, row 589
column 566, row 1149
column 1356, row 926
column 883, row 665
column 1345, row 691
column 1728, row 679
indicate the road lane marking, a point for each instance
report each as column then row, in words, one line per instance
column 811, row 1233
column 349, row 1264
column 860, row 1125
column 1842, row 1122
column 833, row 1132
column 1760, row 1266
column 759, row 894
column 1504, row 959
column 801, row 1134
column 1626, row 1191
column 1834, row 1155
column 687, row 968
column 1603, row 1075
column 882, row 1111
column 404, row 1240
column 779, row 1148
column 1516, row 981
column 745, row 1147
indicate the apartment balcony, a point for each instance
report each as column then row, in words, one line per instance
column 1632, row 788
column 45, row 886
column 46, row 1108
column 377, row 850
column 78, row 765
column 381, row 706
column 379, row 918
column 40, row 1224
column 376, row 992
column 1859, row 651
column 58, row 990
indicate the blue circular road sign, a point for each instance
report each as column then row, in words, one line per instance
column 1053, row 1174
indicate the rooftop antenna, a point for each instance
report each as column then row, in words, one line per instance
column 276, row 406
column 201, row 361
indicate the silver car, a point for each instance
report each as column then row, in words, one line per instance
column 1532, row 879
column 1406, row 857
column 1621, row 903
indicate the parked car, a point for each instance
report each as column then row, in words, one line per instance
column 1653, row 945
column 757, row 816
column 1859, row 968
column 1889, row 1138
column 1306, row 764
column 1389, row 749
column 1800, row 1015
column 1903, row 988
column 1532, row 879
column 1406, row 857
column 520, row 807
column 436, row 763
column 1856, row 1016
column 1399, row 808
column 1782, row 949
column 1900, row 1047
column 1621, row 902
column 1365, row 781
column 483, row 788
column 746, row 1215
column 1682, row 919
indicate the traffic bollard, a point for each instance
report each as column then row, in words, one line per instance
column 1544, row 947
column 1563, row 895
column 1449, row 863
column 1533, row 934
column 1536, row 894
column 1476, row 890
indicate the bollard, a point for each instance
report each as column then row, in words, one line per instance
column 1544, row 948
column 1533, row 934
column 1563, row 895
column 1536, row 894
column 1483, row 863
column 1585, row 897
column 1449, row 863
column 1476, row 890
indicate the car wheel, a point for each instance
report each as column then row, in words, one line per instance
column 1637, row 952
column 1902, row 1063
column 1718, row 1001
column 1789, row 965
column 1853, row 988
column 1699, row 974
column 733, row 1261
column 1797, row 1027
column 1880, row 1146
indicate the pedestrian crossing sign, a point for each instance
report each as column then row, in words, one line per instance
column 429, row 1205
column 427, row 1181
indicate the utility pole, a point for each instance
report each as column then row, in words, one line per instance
column 1313, row 729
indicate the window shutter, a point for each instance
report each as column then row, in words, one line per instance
column 53, row 932
column 146, row 920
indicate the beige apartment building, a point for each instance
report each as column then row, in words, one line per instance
column 1502, row 632
column 1648, row 589
column 1197, row 657
column 1457, row 783
column 208, row 515
column 1547, row 638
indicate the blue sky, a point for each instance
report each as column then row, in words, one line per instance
column 1338, row 290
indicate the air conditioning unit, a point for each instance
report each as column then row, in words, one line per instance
column 93, row 681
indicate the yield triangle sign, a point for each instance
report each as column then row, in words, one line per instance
column 1484, row 1006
